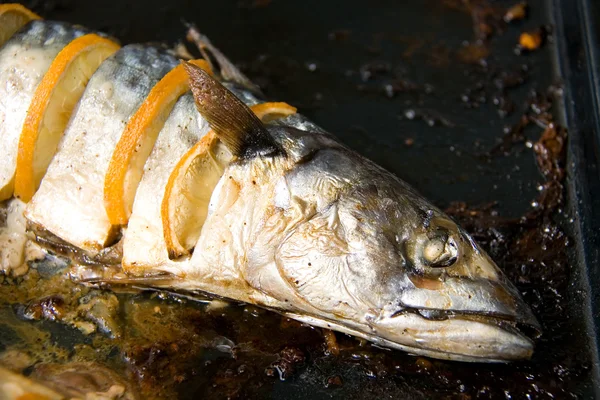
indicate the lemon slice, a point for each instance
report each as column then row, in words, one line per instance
column 70, row 200
column 12, row 18
column 24, row 60
column 52, row 105
column 144, row 247
column 127, row 163
column 190, row 186
column 268, row 112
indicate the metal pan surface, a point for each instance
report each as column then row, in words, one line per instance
column 435, row 91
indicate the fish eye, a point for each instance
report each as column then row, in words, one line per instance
column 428, row 254
column 440, row 251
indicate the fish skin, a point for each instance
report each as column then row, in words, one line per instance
column 321, row 235
column 112, row 95
column 144, row 243
column 24, row 59
column 325, row 236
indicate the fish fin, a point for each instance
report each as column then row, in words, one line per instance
column 169, row 284
column 181, row 52
column 233, row 122
column 227, row 70
column 114, row 275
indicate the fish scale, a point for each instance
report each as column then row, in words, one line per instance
column 75, row 177
column 24, row 59
column 144, row 243
column 297, row 222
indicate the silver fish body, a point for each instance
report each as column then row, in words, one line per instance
column 25, row 58
column 297, row 223
column 113, row 94
column 329, row 238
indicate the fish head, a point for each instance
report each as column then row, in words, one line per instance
column 378, row 260
column 343, row 244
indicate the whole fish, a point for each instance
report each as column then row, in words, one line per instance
column 178, row 176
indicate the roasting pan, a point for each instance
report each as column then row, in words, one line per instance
column 407, row 85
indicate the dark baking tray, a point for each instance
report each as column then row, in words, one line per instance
column 577, row 28
column 360, row 69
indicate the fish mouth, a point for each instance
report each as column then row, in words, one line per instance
column 459, row 336
column 466, row 319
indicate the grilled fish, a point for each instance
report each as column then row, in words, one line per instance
column 183, row 178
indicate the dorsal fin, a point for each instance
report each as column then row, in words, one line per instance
column 233, row 122
column 224, row 67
